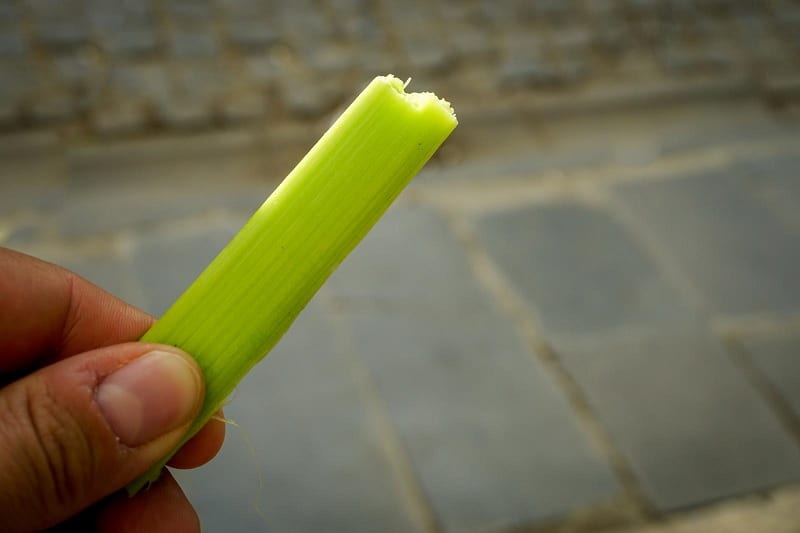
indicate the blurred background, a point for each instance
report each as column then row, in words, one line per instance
column 584, row 315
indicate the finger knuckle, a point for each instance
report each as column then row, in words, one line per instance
column 58, row 451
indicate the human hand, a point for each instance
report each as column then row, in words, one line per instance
column 84, row 411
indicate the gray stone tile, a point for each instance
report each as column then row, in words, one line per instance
column 332, row 59
column 79, row 71
column 203, row 81
column 307, row 99
column 498, row 13
column 735, row 129
column 111, row 273
column 364, row 27
column 190, row 11
column 515, row 165
column 194, row 44
column 166, row 265
column 738, row 253
column 118, row 116
column 261, row 69
column 302, row 20
column 469, row 37
column 149, row 81
column 54, row 105
column 525, row 61
column 112, row 209
column 137, row 186
column 491, row 438
column 779, row 359
column 685, row 60
column 251, row 34
column 690, row 425
column 9, row 13
column 775, row 182
column 18, row 80
column 244, row 107
column 59, row 33
column 312, row 461
column 29, row 194
column 127, row 29
column 409, row 252
column 423, row 44
column 9, row 112
column 223, row 161
column 186, row 113
column 580, row 270
column 781, row 167
column 12, row 44
column 131, row 41
column 32, row 176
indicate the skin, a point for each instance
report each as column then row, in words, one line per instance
column 53, row 322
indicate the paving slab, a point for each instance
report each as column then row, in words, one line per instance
column 775, row 183
column 33, row 174
column 166, row 264
column 491, row 437
column 305, row 456
column 658, row 384
column 408, row 261
column 130, row 207
column 686, row 419
column 726, row 130
column 581, row 271
column 218, row 159
column 775, row 513
column 135, row 185
column 550, row 159
column 779, row 359
column 113, row 273
column 738, row 253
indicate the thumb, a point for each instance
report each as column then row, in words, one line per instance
column 76, row 431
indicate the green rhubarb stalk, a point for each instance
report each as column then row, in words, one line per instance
column 246, row 299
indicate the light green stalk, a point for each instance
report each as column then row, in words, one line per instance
column 250, row 294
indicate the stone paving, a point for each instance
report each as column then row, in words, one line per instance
column 776, row 513
column 585, row 323
column 583, row 315
column 104, row 67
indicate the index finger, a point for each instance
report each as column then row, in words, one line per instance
column 48, row 313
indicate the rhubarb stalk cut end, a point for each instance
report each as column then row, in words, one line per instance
column 417, row 100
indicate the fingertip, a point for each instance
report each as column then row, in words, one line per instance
column 151, row 396
column 201, row 448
